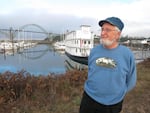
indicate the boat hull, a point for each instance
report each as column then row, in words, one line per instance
column 79, row 59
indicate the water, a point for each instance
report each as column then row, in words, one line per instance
column 39, row 60
column 42, row 60
column 141, row 55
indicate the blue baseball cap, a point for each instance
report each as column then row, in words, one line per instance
column 113, row 21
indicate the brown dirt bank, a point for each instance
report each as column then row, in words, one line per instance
column 22, row 93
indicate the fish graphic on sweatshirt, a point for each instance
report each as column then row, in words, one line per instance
column 106, row 62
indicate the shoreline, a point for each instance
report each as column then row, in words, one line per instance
column 20, row 92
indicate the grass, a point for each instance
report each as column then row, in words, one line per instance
column 137, row 101
column 24, row 93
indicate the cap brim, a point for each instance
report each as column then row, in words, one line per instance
column 104, row 21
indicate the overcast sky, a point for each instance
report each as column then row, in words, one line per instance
column 60, row 15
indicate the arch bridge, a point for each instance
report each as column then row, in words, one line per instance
column 14, row 33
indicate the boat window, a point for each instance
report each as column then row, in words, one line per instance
column 84, row 42
column 88, row 42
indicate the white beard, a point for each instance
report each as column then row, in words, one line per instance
column 106, row 42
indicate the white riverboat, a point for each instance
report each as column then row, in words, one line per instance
column 78, row 44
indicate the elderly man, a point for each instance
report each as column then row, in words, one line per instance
column 111, row 73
